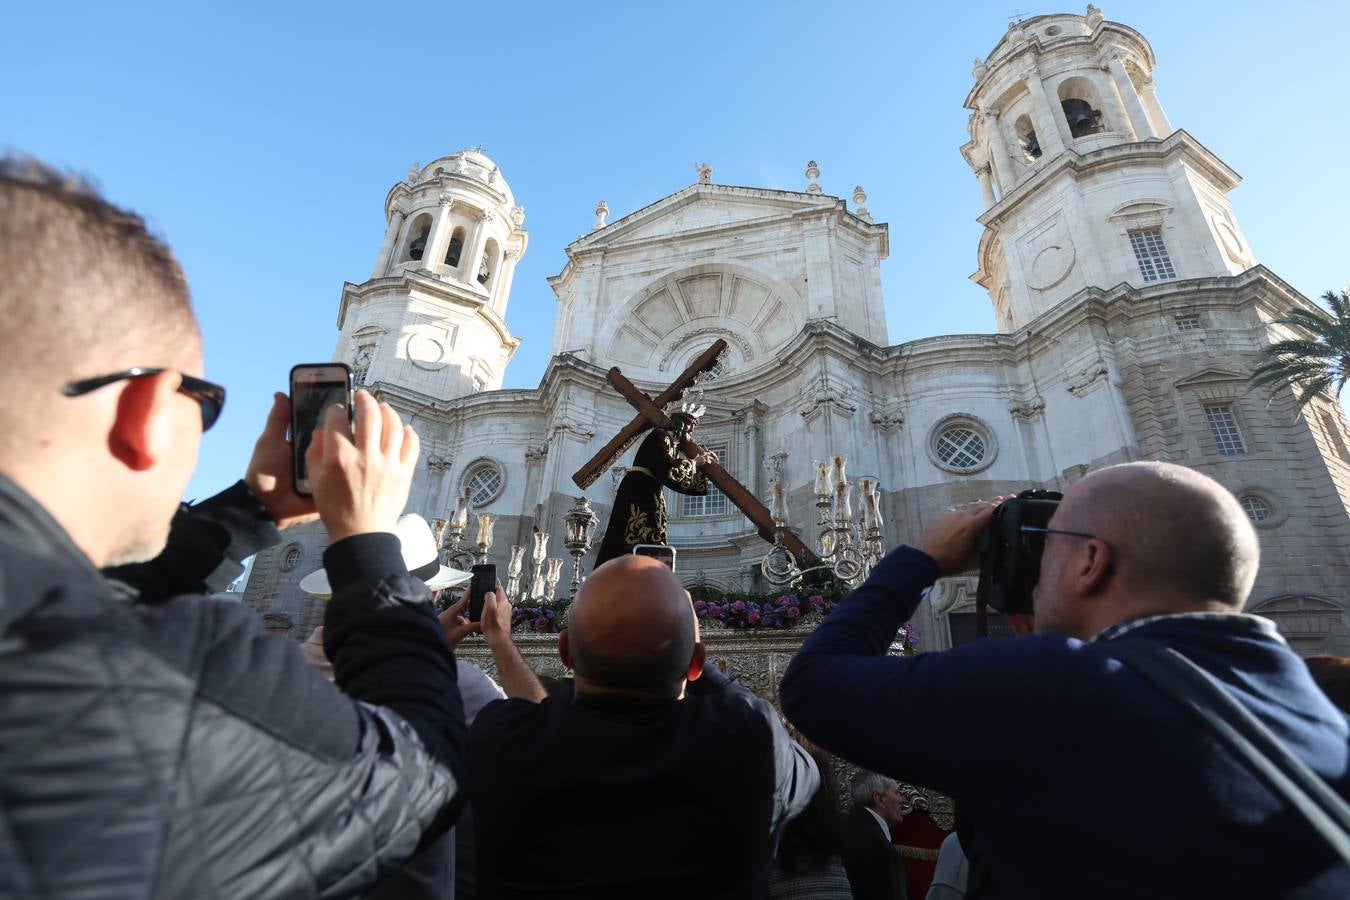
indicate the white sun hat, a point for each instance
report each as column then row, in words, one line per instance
column 419, row 555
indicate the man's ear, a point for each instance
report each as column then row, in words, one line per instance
column 1094, row 567
column 564, row 649
column 696, row 661
column 142, row 433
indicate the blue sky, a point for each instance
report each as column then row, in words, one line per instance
column 261, row 139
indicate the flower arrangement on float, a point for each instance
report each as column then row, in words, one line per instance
column 731, row 610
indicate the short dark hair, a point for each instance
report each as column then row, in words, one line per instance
column 85, row 287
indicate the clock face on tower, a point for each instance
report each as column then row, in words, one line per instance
column 364, row 356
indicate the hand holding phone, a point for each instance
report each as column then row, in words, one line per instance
column 484, row 581
column 314, row 388
column 361, row 477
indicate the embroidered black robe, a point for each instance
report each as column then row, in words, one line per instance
column 639, row 515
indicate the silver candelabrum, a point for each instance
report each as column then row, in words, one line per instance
column 848, row 548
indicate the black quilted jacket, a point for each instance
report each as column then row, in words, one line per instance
column 170, row 748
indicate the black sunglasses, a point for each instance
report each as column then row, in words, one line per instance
column 1033, row 538
column 210, row 397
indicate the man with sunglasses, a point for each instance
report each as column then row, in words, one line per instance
column 155, row 742
column 1080, row 778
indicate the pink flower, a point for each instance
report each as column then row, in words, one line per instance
column 783, row 600
column 793, row 612
column 700, row 606
column 816, row 600
column 753, row 618
column 541, row 623
column 738, row 606
column 715, row 611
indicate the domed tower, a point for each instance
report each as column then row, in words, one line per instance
column 431, row 318
column 1085, row 183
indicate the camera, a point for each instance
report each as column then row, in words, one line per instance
column 1010, row 565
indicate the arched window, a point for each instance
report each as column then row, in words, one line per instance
column 487, row 267
column 418, row 232
column 456, row 247
column 1026, row 137
column 1082, row 110
column 484, row 481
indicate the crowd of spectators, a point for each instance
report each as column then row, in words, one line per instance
column 157, row 743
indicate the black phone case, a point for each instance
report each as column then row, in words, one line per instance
column 290, row 386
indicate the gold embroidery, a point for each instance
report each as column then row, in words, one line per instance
column 639, row 531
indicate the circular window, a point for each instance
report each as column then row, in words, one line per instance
column 291, row 558
column 484, row 481
column 1256, row 507
column 961, row 444
column 1053, row 30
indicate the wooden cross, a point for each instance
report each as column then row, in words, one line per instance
column 651, row 413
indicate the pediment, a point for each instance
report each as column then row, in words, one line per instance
column 700, row 207
column 1297, row 603
column 1210, row 376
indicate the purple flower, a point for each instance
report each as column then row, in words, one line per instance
column 753, row 617
column 541, row 623
column 738, row 606
column 700, row 606
column 793, row 612
column 783, row 600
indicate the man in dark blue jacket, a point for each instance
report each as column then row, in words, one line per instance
column 1080, row 778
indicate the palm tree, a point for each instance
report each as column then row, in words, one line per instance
column 1311, row 366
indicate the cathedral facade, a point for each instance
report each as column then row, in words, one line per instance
column 1130, row 311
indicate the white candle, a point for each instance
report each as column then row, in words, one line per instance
column 484, row 530
column 869, row 502
column 540, row 547
column 876, row 506
column 822, row 477
column 517, row 561
column 840, row 462
column 779, row 503
column 461, row 516
column 843, row 503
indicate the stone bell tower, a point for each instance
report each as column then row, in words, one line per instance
column 431, row 317
column 1085, row 182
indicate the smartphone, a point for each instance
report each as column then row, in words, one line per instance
column 660, row 552
column 484, row 581
column 314, row 388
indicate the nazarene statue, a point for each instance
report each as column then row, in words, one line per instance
column 639, row 514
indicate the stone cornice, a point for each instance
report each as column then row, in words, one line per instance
column 1156, row 150
column 795, row 204
column 997, row 65
column 406, row 282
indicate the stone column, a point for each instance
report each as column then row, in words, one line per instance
column 1143, row 128
column 1056, row 137
column 501, row 293
column 1161, row 126
column 998, row 149
column 986, row 185
column 475, row 260
column 385, row 259
column 1120, row 115
column 434, row 254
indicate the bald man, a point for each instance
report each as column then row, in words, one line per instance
column 1081, row 779
column 656, row 778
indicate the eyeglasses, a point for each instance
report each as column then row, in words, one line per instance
column 210, row 397
column 1033, row 538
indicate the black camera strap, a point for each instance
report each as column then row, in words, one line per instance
column 1242, row 733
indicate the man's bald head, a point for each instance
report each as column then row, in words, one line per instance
column 1172, row 531
column 631, row 628
column 85, row 290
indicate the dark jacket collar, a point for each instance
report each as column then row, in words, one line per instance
column 27, row 527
